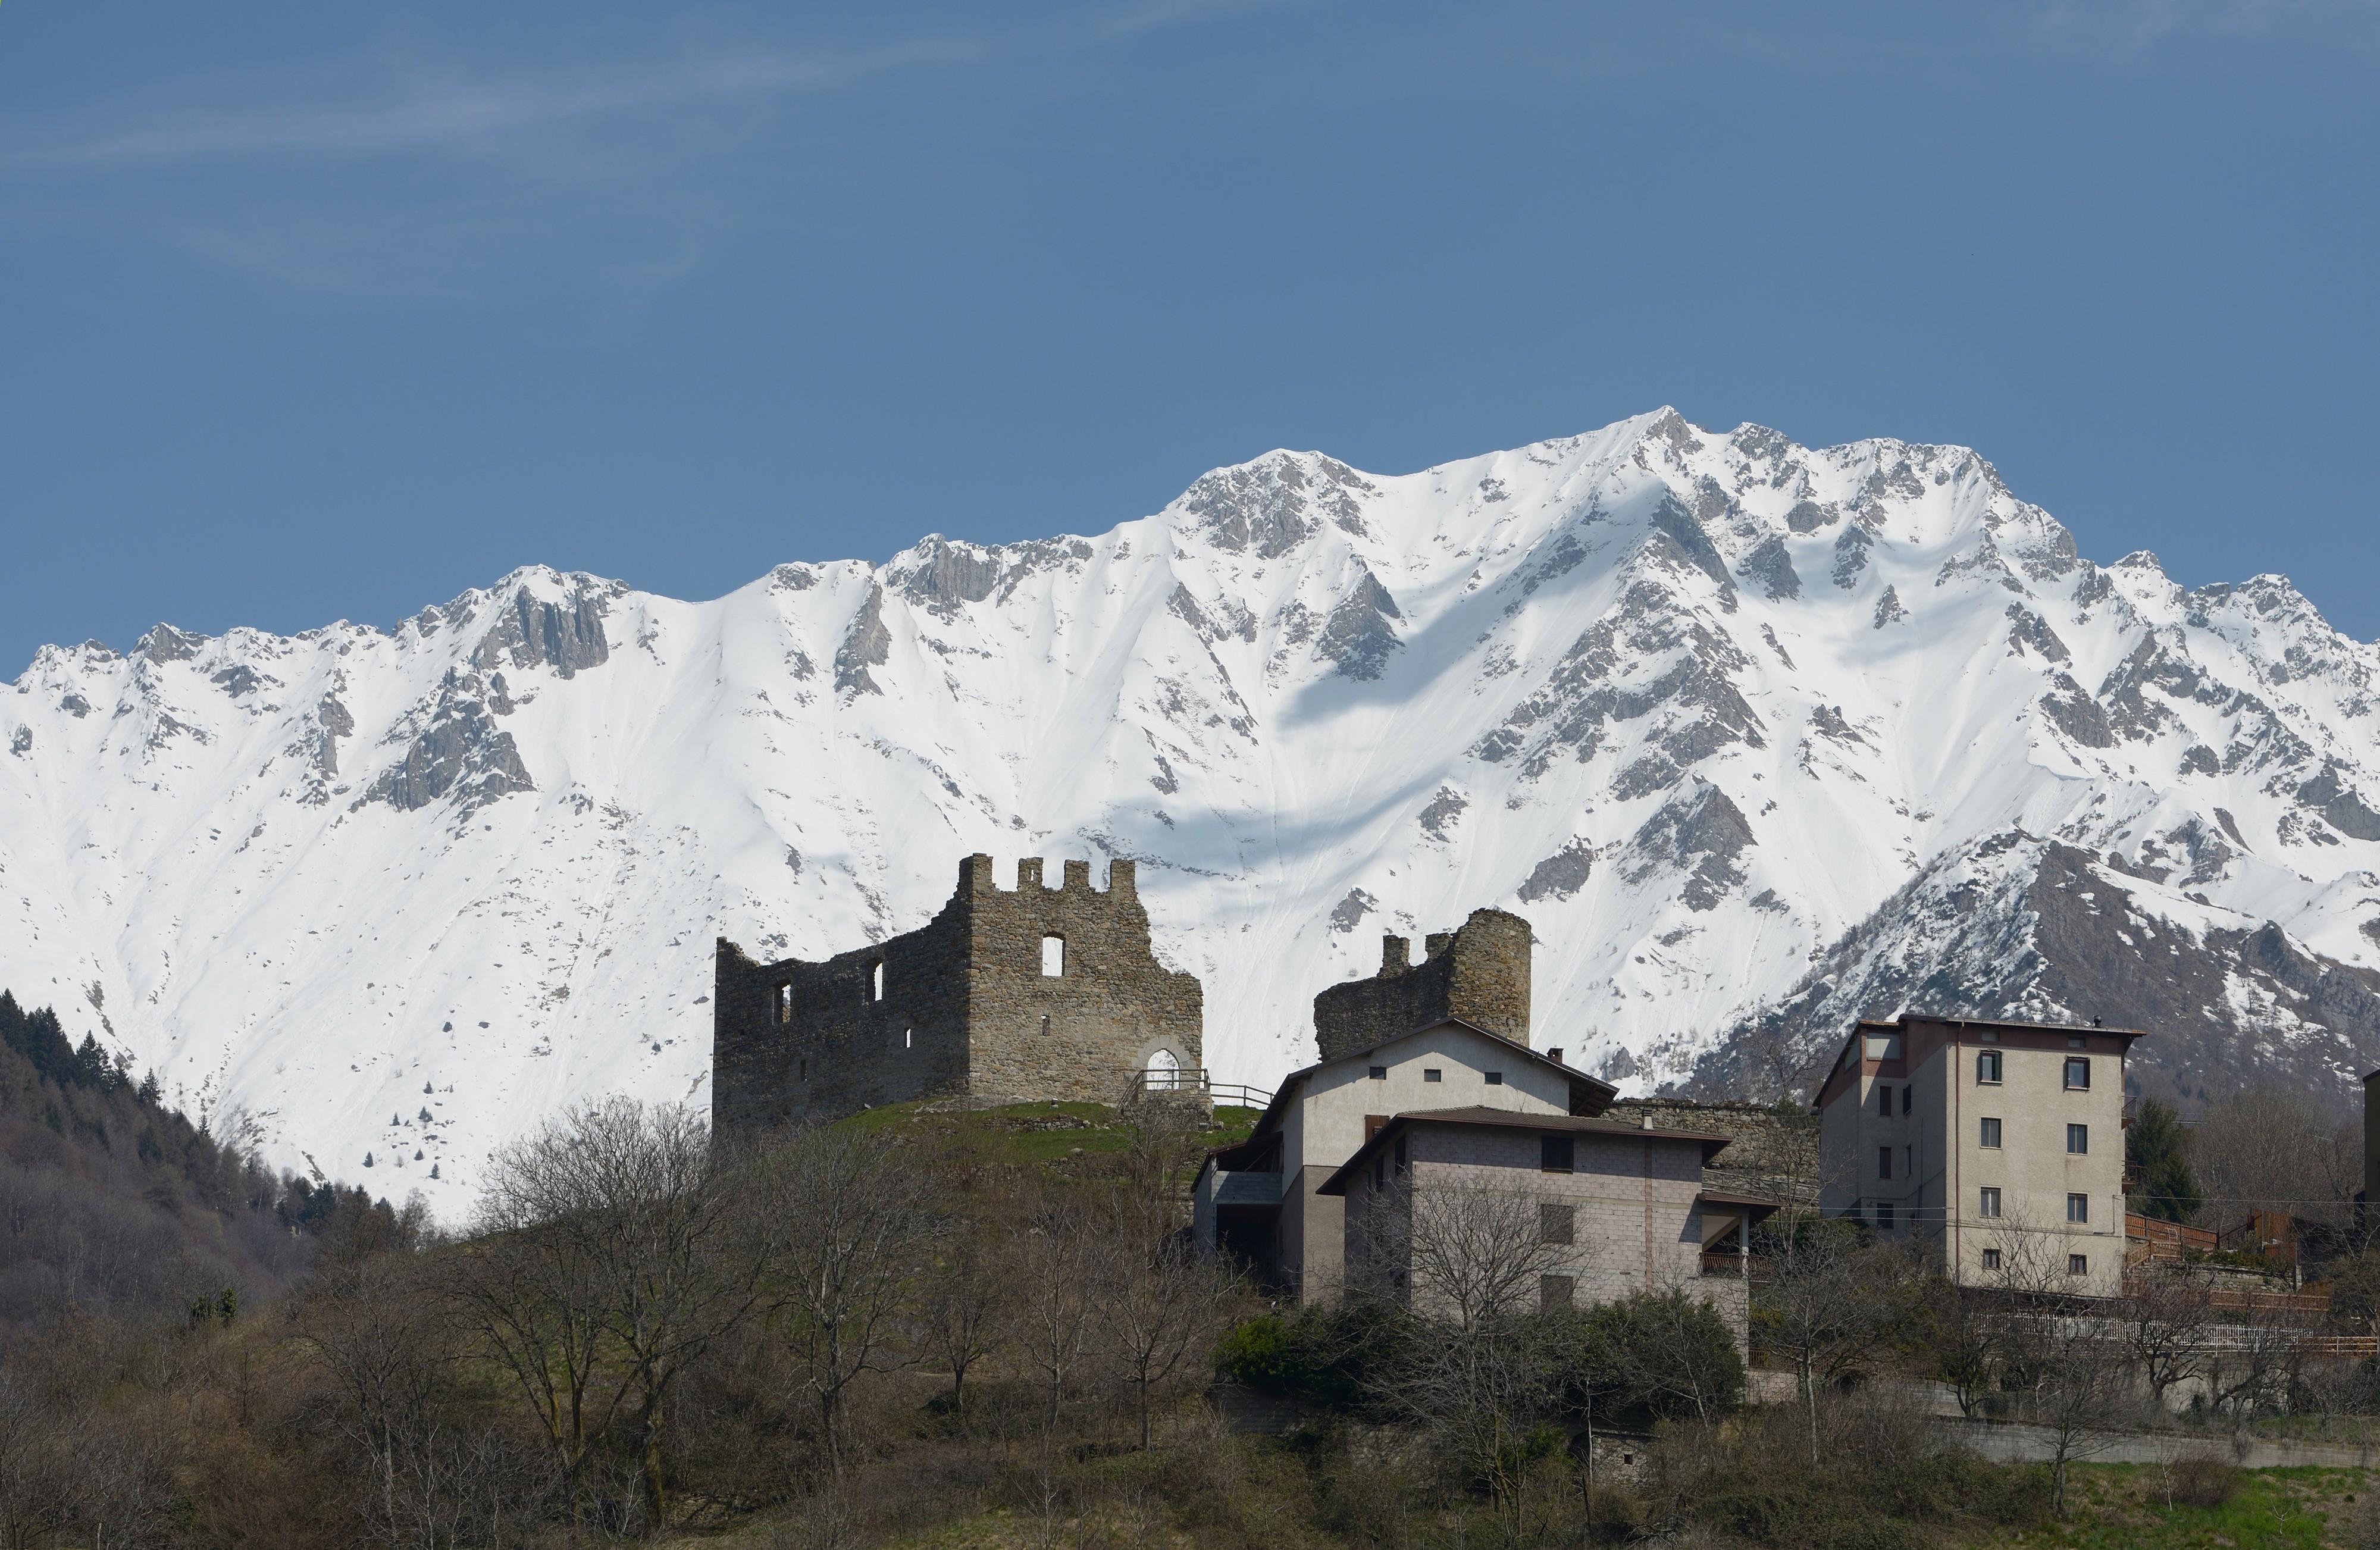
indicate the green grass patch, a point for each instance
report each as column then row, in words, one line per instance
column 1029, row 1134
column 2123, row 1507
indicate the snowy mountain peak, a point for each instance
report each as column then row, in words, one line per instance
column 1759, row 737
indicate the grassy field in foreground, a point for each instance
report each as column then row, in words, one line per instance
column 2123, row 1507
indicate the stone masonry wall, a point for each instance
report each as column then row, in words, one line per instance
column 963, row 1007
column 1478, row 972
column 1773, row 1152
column 1081, row 1035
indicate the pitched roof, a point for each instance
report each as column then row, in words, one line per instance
column 1510, row 1118
column 1287, row 1093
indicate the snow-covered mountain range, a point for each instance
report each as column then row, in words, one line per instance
column 1760, row 738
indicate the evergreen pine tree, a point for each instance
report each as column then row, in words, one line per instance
column 2157, row 1165
column 152, row 1094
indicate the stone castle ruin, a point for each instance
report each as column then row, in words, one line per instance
column 1478, row 972
column 1003, row 997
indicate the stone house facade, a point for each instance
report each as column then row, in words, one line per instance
column 1616, row 1207
column 1999, row 1140
column 1005, row 996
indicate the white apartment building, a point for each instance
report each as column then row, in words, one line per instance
column 2003, row 1141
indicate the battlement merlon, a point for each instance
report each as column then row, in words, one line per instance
column 977, row 880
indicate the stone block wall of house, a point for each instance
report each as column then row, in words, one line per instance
column 961, row 1006
column 1478, row 972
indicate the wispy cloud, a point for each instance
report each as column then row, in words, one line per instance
column 455, row 113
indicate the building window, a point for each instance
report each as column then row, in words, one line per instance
column 1431, row 1074
column 1884, row 1162
column 1380, row 1171
column 1556, row 1153
column 1379, row 1074
column 1987, row 1067
column 908, row 1039
column 2078, row 1139
column 1907, row 1097
column 1991, row 1259
column 1053, row 957
column 1989, row 1136
column 2078, row 1208
column 1988, row 1204
column 1884, row 1216
column 1495, row 1079
column 1556, row 1224
column 876, row 981
column 2078, row 1265
column 1883, row 1101
column 2078, row 1074
column 1556, row 1291
column 785, row 1003
column 1400, row 1155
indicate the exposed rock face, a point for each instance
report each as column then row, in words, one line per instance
column 867, row 645
column 564, row 635
column 457, row 749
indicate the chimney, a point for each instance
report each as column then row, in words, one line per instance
column 1395, row 955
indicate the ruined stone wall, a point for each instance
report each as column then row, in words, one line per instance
column 1773, row 1154
column 964, row 1007
column 1478, row 972
column 1081, row 1035
column 794, row 1041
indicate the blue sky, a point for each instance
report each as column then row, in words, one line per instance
column 332, row 311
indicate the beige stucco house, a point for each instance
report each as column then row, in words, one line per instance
column 2002, row 1142
column 1260, row 1199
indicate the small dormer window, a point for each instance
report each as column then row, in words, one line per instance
column 1431, row 1074
column 1495, row 1079
column 1379, row 1074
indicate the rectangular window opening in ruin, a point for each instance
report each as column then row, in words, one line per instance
column 1053, row 957
column 876, row 982
column 785, row 1003
column 908, row 1039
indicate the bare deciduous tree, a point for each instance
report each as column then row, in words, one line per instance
column 1053, row 1310
column 1831, row 1300
column 960, row 1306
column 2275, row 1148
column 1159, row 1305
column 855, row 1225
column 2165, row 1312
column 1479, row 1366
column 610, row 1251
column 2075, row 1377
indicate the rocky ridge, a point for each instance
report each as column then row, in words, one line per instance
column 1760, row 737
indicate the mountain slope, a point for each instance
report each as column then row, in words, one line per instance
column 1702, row 707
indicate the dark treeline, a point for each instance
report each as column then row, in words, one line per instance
column 115, row 1205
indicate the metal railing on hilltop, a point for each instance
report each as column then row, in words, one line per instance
column 1194, row 1081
